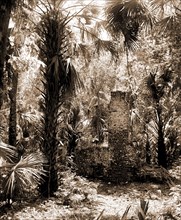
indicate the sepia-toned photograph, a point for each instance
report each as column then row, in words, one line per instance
column 90, row 109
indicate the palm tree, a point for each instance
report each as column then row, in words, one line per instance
column 157, row 88
column 59, row 79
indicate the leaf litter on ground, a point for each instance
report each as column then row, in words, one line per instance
column 82, row 199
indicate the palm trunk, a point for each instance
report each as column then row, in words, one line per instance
column 157, row 94
column 162, row 155
column 53, row 81
column 5, row 12
column 148, row 152
column 147, row 146
column 50, row 143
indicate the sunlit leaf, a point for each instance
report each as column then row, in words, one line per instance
column 27, row 172
column 7, row 151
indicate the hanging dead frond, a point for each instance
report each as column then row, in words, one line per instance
column 73, row 80
column 151, row 84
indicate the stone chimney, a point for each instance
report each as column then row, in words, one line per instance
column 122, row 154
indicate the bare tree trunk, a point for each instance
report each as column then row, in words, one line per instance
column 12, row 116
column 5, row 12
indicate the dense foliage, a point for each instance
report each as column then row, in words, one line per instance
column 56, row 75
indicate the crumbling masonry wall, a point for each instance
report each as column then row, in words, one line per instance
column 114, row 162
column 122, row 153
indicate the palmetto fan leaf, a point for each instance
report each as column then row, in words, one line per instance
column 89, row 34
column 128, row 17
column 27, row 172
column 7, row 151
column 106, row 45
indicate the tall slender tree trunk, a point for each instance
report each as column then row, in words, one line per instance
column 12, row 115
column 162, row 155
column 148, row 151
column 5, row 12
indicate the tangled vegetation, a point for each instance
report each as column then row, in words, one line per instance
column 59, row 64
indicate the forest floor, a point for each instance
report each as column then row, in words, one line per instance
column 82, row 199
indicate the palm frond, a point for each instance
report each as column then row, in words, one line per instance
column 87, row 33
column 100, row 215
column 169, row 24
column 106, row 45
column 128, row 17
column 7, row 151
column 78, row 13
column 27, row 172
column 92, row 35
column 83, row 50
column 124, row 217
column 142, row 211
